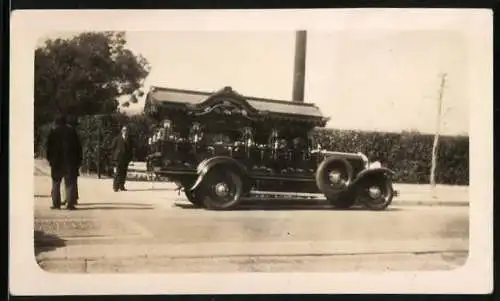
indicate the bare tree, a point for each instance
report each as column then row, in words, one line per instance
column 435, row 145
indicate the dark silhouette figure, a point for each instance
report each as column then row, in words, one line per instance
column 64, row 153
column 122, row 155
column 73, row 123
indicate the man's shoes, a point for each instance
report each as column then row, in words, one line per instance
column 55, row 207
column 123, row 189
column 115, row 189
column 71, row 207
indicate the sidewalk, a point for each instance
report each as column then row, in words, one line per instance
column 281, row 248
column 409, row 194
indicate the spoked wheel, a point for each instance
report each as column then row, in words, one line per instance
column 222, row 189
column 193, row 197
column 338, row 176
column 375, row 193
column 333, row 176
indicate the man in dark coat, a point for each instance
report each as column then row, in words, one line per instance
column 122, row 155
column 64, row 153
column 73, row 123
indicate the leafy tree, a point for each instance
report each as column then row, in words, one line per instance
column 133, row 98
column 85, row 74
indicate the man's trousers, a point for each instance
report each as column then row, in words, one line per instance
column 70, row 187
column 120, row 176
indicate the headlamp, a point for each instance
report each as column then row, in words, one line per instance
column 375, row 164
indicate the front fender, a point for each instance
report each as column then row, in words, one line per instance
column 206, row 165
column 386, row 172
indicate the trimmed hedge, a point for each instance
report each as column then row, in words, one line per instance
column 96, row 135
column 407, row 153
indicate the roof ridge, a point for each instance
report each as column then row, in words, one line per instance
column 206, row 93
column 167, row 89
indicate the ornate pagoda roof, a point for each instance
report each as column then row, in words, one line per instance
column 198, row 101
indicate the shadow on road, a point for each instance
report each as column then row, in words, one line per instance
column 45, row 242
column 114, row 206
column 285, row 206
column 151, row 189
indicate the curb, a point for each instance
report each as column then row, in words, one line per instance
column 322, row 205
column 431, row 203
column 239, row 249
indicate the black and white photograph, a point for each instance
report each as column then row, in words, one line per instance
column 329, row 150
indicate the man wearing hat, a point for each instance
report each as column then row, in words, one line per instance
column 64, row 153
column 122, row 147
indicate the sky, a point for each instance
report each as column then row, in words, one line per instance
column 383, row 80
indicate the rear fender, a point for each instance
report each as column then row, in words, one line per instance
column 382, row 171
column 206, row 165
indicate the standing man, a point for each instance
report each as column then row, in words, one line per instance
column 64, row 153
column 122, row 155
column 73, row 123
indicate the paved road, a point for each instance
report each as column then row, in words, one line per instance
column 151, row 229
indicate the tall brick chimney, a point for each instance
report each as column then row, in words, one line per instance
column 300, row 66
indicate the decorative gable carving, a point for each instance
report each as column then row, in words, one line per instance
column 226, row 102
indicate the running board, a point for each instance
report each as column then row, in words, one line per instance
column 278, row 194
column 284, row 179
column 256, row 195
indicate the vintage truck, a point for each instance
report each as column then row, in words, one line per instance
column 223, row 147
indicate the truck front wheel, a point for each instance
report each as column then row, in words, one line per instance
column 375, row 192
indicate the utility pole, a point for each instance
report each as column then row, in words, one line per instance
column 300, row 66
column 98, row 154
column 438, row 129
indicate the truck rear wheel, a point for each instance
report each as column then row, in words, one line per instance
column 222, row 189
column 193, row 197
